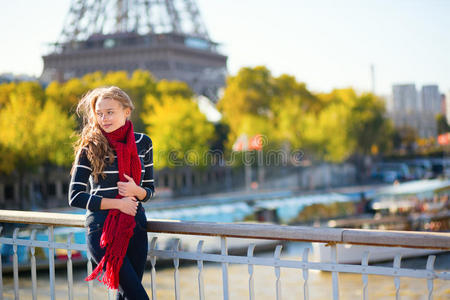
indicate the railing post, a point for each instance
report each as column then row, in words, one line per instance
column 305, row 274
column 33, row 265
column 397, row 261
column 430, row 267
column 15, row 265
column 153, row 263
column 69, row 267
column 176, row 264
column 201, row 290
column 276, row 258
column 51, row 261
column 89, row 271
column 365, row 278
column 334, row 274
column 111, row 294
column 1, row 271
column 251, row 287
column 224, row 252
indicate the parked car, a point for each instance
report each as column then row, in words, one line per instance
column 420, row 168
column 391, row 171
column 440, row 167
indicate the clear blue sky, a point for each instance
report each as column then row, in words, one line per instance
column 325, row 43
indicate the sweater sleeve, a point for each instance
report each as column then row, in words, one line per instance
column 78, row 195
column 148, row 180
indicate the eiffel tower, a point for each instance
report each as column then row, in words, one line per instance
column 166, row 37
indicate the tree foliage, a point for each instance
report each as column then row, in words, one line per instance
column 39, row 123
column 329, row 126
column 33, row 133
column 442, row 124
column 180, row 132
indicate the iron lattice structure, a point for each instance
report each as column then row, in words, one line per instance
column 166, row 37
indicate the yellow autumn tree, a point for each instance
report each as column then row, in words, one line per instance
column 246, row 104
column 54, row 131
column 255, row 101
column 21, row 89
column 5, row 91
column 17, row 120
column 67, row 94
column 33, row 135
column 180, row 132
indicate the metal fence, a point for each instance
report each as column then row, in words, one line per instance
column 332, row 237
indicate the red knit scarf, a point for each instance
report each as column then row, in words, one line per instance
column 118, row 227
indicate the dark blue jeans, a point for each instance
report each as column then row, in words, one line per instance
column 132, row 270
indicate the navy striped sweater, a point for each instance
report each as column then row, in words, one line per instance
column 79, row 196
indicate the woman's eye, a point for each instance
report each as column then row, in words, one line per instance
column 110, row 112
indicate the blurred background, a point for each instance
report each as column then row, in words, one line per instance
column 319, row 113
column 236, row 96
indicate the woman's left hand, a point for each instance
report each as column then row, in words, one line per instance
column 127, row 188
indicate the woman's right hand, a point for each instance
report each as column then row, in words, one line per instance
column 128, row 205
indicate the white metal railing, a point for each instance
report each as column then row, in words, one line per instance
column 333, row 237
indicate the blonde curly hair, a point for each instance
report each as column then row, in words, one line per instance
column 91, row 136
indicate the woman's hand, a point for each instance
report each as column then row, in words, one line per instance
column 128, row 205
column 127, row 188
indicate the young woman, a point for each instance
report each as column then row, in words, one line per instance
column 118, row 164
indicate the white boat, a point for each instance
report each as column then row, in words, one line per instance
column 421, row 205
column 353, row 254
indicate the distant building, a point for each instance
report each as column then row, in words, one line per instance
column 430, row 100
column 408, row 108
column 404, row 108
column 168, row 38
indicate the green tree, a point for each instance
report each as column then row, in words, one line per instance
column 280, row 108
column 368, row 124
column 363, row 128
column 404, row 138
column 141, row 83
column 166, row 89
column 330, row 126
column 221, row 131
column 180, row 132
column 286, row 87
column 442, row 124
column 246, row 103
column 327, row 134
